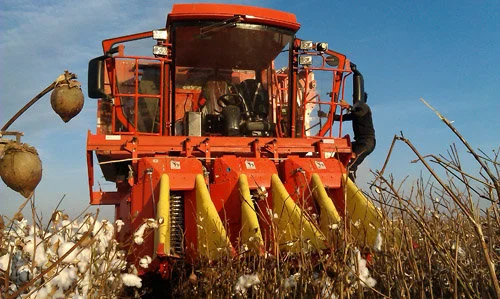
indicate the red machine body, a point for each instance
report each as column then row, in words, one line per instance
column 230, row 103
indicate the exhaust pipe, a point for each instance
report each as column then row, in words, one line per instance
column 358, row 86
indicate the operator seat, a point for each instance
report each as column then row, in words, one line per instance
column 256, row 98
column 256, row 101
column 221, row 110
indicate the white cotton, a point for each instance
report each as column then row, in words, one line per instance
column 84, row 255
column 59, row 294
column 56, row 240
column 65, row 247
column 362, row 272
column 41, row 258
column 246, row 281
column 31, row 230
column 138, row 240
column 379, row 240
column 139, row 233
column 291, row 281
column 65, row 278
column 370, row 282
column 460, row 250
column 145, row 261
column 20, row 227
column 66, row 228
column 97, row 227
column 101, row 245
column 40, row 254
column 87, row 222
column 82, row 266
column 119, row 223
column 117, row 264
column 43, row 292
column 84, row 284
column 66, row 224
column 327, row 289
column 4, row 262
column 333, row 226
column 131, row 280
column 23, row 274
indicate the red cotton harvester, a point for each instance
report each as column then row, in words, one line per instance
column 226, row 135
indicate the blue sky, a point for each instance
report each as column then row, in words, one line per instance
column 445, row 52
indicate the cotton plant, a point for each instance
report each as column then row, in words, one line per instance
column 77, row 260
column 246, row 282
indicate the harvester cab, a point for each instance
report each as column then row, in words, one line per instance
column 225, row 135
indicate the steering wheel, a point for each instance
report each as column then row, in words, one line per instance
column 229, row 99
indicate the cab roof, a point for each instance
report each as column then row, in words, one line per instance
column 213, row 11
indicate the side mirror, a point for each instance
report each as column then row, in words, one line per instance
column 96, row 78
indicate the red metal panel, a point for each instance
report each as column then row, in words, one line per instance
column 258, row 171
column 123, row 145
column 329, row 170
column 181, row 171
column 253, row 14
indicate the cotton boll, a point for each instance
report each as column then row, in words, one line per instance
column 65, row 247
column 138, row 235
column 117, row 264
column 131, row 280
column 119, row 224
column 291, row 281
column 84, row 284
column 84, row 255
column 246, row 281
column 87, row 222
column 23, row 274
column 43, row 292
column 55, row 241
column 327, row 289
column 370, row 282
column 377, row 246
column 101, row 246
column 109, row 230
column 20, row 227
column 29, row 245
column 67, row 229
column 138, row 240
column 40, row 255
column 362, row 271
column 58, row 294
column 41, row 258
column 4, row 262
column 32, row 230
column 145, row 261
column 82, row 267
column 65, row 278
column 97, row 227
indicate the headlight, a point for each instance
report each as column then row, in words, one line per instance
column 160, row 34
column 160, row 50
column 306, row 45
column 305, row 60
column 321, row 47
